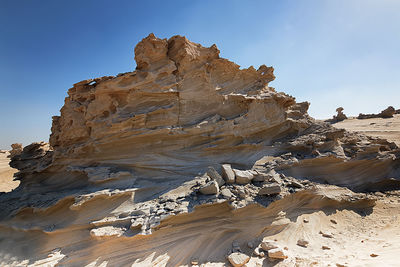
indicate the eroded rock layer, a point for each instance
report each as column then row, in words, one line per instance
column 130, row 155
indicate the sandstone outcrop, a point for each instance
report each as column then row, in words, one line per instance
column 16, row 150
column 145, row 165
column 340, row 116
column 386, row 113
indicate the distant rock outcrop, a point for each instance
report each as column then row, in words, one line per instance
column 340, row 116
column 16, row 150
column 386, row 113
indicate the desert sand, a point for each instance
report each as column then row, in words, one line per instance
column 191, row 161
column 6, row 174
column 388, row 128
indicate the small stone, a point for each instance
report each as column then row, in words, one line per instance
column 250, row 244
column 226, row 193
column 296, row 184
column 275, row 177
column 107, row 231
column 194, row 262
column 326, row 248
column 170, row 206
column 268, row 244
column 333, row 221
column 374, row 255
column 214, row 175
column 270, row 189
column 327, row 235
column 277, row 253
column 238, row 259
column 228, row 174
column 306, row 221
column 243, row 177
column 211, row 188
column 161, row 211
column 258, row 250
column 302, row 243
column 260, row 177
column 236, row 247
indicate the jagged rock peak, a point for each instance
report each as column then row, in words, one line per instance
column 152, row 53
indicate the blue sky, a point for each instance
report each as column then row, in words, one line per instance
column 330, row 53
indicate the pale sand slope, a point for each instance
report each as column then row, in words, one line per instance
column 357, row 240
column 6, row 174
column 384, row 128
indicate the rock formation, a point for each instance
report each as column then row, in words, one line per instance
column 340, row 116
column 386, row 113
column 16, row 150
column 187, row 131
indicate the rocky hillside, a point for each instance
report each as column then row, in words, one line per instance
column 182, row 162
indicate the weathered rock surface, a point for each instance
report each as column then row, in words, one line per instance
column 214, row 175
column 137, row 159
column 268, row 244
column 211, row 188
column 238, row 259
column 243, row 177
column 270, row 189
column 340, row 116
column 386, row 113
column 16, row 150
column 302, row 243
column 277, row 253
column 228, row 173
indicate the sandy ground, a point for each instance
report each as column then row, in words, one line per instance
column 6, row 174
column 357, row 239
column 384, row 128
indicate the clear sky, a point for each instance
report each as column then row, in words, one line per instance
column 330, row 53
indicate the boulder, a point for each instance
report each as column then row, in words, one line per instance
column 214, row 175
column 228, row 174
column 211, row 188
column 238, row 259
column 243, row 177
column 270, row 189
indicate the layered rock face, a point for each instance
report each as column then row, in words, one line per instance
column 186, row 128
column 184, row 106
